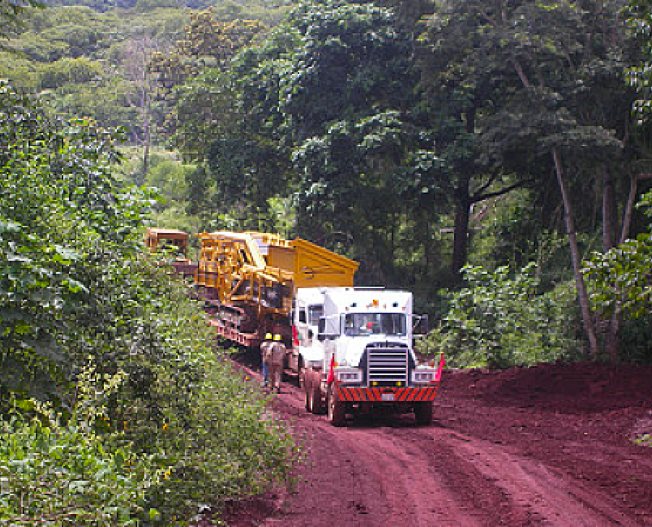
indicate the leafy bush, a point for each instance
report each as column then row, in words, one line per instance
column 77, row 295
column 68, row 474
column 501, row 321
column 620, row 278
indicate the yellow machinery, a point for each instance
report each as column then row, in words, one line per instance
column 156, row 238
column 250, row 278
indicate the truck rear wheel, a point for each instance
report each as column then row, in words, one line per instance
column 423, row 413
column 336, row 410
column 301, row 376
column 307, row 398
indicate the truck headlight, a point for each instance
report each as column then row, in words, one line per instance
column 348, row 375
column 423, row 376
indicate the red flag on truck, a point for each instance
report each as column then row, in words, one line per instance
column 331, row 371
column 440, row 368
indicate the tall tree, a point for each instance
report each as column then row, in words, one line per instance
column 137, row 57
column 207, row 43
column 537, row 64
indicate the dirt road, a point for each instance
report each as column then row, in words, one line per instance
column 550, row 445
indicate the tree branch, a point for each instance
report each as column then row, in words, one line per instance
column 488, row 183
column 481, row 197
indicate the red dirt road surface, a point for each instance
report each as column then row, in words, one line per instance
column 550, row 445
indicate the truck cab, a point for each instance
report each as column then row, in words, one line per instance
column 306, row 349
column 368, row 358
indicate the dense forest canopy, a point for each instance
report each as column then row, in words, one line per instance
column 416, row 136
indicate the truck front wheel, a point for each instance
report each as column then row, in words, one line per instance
column 423, row 413
column 336, row 409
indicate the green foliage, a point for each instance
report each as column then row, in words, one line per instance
column 635, row 338
column 66, row 473
column 58, row 205
column 639, row 20
column 88, row 323
column 319, row 114
column 499, row 321
column 22, row 72
column 11, row 16
column 620, row 278
column 70, row 71
column 207, row 43
column 644, row 440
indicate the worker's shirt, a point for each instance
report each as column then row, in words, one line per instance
column 266, row 350
column 278, row 353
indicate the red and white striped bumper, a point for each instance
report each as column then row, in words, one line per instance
column 387, row 394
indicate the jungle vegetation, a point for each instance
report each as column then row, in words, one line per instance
column 492, row 157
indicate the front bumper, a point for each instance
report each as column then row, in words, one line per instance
column 387, row 394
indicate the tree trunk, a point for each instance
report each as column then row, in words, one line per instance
column 611, row 338
column 608, row 210
column 461, row 234
column 147, row 142
column 583, row 297
column 462, row 207
column 569, row 218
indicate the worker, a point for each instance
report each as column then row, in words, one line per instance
column 265, row 355
column 276, row 363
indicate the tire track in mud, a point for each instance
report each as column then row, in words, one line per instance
column 525, row 491
column 362, row 477
column 386, row 471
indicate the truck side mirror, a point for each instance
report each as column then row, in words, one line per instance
column 420, row 325
column 320, row 329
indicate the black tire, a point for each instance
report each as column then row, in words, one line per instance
column 423, row 413
column 312, row 391
column 307, row 385
column 317, row 407
column 336, row 410
column 301, row 376
column 308, row 402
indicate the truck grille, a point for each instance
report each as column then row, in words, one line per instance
column 387, row 364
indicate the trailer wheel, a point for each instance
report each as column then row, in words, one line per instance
column 423, row 413
column 307, row 385
column 336, row 410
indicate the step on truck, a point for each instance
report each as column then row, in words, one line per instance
column 367, row 361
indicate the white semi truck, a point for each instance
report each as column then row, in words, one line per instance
column 363, row 359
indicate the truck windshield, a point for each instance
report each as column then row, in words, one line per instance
column 314, row 313
column 371, row 323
